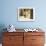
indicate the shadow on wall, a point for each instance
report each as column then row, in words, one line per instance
column 2, row 26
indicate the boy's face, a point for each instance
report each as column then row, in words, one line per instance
column 26, row 12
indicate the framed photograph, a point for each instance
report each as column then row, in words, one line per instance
column 26, row 14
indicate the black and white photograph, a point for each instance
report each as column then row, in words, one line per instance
column 26, row 14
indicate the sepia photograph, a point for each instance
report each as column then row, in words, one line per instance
column 26, row 14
